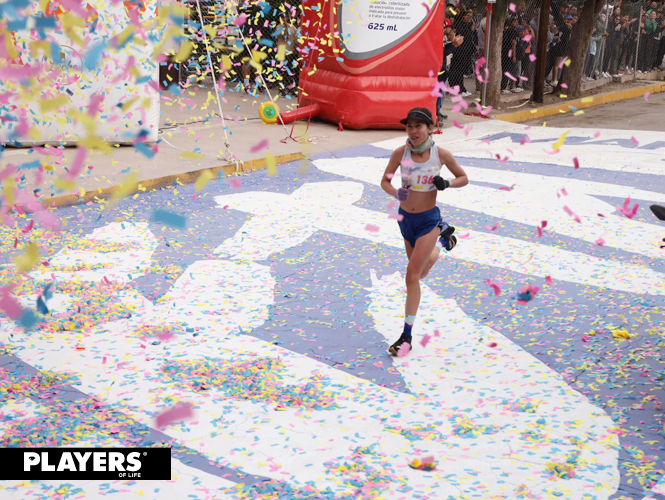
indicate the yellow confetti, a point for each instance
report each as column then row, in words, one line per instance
column 204, row 178
column 271, row 163
column 561, row 140
column 281, row 52
column 587, row 99
column 184, row 51
column 191, row 155
column 126, row 187
column 46, row 105
column 27, row 261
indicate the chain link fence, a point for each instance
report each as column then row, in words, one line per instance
column 628, row 40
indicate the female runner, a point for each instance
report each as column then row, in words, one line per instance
column 421, row 226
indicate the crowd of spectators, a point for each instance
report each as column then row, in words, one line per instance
column 612, row 48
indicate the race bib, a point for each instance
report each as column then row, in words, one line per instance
column 422, row 179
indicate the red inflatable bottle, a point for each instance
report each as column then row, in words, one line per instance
column 367, row 63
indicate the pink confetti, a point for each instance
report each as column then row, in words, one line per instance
column 646, row 96
column 425, row 340
column 235, row 182
column 532, row 57
column 635, row 141
column 571, row 213
column 563, row 61
column 600, row 215
column 626, row 210
column 398, row 217
column 506, row 188
column 104, row 360
column 457, row 124
column 240, row 20
column 20, row 72
column 597, row 134
column 548, row 280
column 371, row 227
column 494, row 286
column 511, row 7
column 492, row 344
column 585, row 338
column 403, row 350
column 261, row 145
column 491, row 228
column 9, row 304
column 426, row 7
column 166, row 336
column 392, row 205
column 509, row 76
column 564, row 86
column 485, row 141
column 49, row 220
column 463, row 235
column 576, row 162
column 564, row 192
column 29, row 227
column 179, row 412
column 436, row 333
column 600, row 242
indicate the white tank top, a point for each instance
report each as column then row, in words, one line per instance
column 420, row 175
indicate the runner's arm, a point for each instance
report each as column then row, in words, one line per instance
column 392, row 167
column 451, row 164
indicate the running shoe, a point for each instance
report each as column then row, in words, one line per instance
column 658, row 211
column 448, row 241
column 394, row 349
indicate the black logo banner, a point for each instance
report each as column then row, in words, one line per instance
column 85, row 463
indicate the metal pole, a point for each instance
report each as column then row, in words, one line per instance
column 541, row 52
column 488, row 27
column 637, row 47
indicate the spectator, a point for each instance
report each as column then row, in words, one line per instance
column 614, row 45
column 462, row 63
column 510, row 53
column 591, row 56
column 528, row 66
column 450, row 43
column 560, row 47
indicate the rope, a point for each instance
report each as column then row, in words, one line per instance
column 227, row 146
column 249, row 52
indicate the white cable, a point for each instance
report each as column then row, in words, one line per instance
column 262, row 79
column 214, row 81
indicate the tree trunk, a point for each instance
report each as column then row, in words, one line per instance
column 500, row 10
column 578, row 48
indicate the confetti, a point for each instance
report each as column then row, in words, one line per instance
column 181, row 411
column 170, row 218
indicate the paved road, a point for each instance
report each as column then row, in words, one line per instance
column 633, row 114
column 271, row 312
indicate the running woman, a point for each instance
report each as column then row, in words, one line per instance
column 422, row 227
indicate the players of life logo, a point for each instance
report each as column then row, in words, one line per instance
column 86, row 463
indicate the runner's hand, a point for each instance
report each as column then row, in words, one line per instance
column 440, row 182
column 402, row 193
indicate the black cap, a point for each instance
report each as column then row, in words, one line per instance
column 422, row 114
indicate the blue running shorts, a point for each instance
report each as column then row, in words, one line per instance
column 413, row 226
